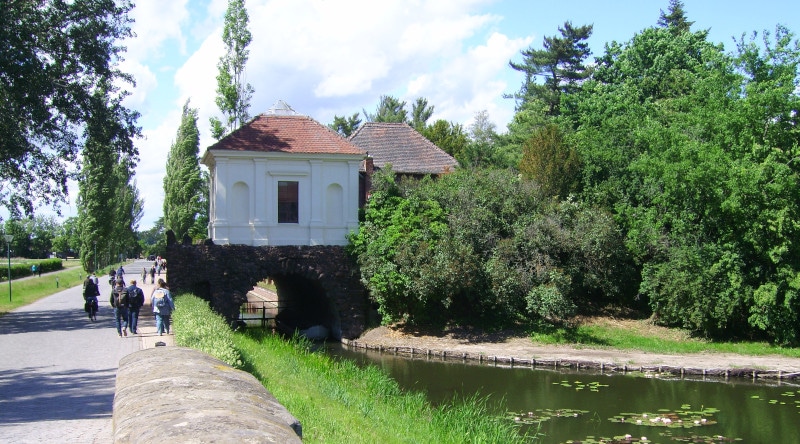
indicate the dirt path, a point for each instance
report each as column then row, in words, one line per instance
column 503, row 347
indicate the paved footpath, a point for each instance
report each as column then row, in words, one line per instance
column 58, row 369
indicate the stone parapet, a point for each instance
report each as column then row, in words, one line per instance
column 177, row 394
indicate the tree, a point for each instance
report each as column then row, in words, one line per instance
column 390, row 109
column 199, row 229
column 53, row 56
column 129, row 209
column 420, row 113
column 233, row 94
column 182, row 182
column 106, row 143
column 697, row 158
column 560, row 63
column 345, row 125
column 67, row 239
column 480, row 149
column 675, row 20
column 448, row 136
column 549, row 160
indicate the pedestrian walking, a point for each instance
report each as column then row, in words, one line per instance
column 163, row 306
column 153, row 274
column 120, row 301
column 136, row 300
column 144, row 275
column 33, row 270
column 120, row 273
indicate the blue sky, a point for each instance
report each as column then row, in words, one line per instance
column 328, row 57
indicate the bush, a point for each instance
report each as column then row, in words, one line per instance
column 198, row 327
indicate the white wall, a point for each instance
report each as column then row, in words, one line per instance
column 244, row 193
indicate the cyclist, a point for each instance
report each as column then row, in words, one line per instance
column 90, row 293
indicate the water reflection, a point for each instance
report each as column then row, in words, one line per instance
column 750, row 411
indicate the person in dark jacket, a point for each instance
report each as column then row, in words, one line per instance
column 119, row 300
column 135, row 302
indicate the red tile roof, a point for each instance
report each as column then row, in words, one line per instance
column 287, row 134
column 398, row 144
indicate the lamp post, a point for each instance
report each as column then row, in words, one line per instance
column 9, row 238
column 95, row 256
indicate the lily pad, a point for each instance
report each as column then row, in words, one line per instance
column 540, row 415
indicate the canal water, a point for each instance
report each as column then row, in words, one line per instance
column 587, row 407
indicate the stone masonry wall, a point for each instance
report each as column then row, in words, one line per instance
column 223, row 274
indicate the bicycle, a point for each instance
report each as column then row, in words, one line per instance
column 90, row 307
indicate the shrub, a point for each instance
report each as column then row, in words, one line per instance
column 198, row 327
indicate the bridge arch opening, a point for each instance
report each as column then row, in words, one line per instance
column 303, row 303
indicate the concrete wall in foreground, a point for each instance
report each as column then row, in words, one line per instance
column 176, row 394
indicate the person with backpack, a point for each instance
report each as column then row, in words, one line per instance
column 90, row 293
column 161, row 301
column 120, row 301
column 136, row 300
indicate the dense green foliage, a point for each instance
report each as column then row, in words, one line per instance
column 183, row 181
column 695, row 150
column 456, row 250
column 54, row 56
column 109, row 207
column 23, row 270
column 666, row 180
column 198, row 327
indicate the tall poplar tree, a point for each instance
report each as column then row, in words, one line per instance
column 107, row 140
column 233, row 94
column 183, row 187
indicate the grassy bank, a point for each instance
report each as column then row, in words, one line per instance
column 27, row 290
column 339, row 402
column 643, row 335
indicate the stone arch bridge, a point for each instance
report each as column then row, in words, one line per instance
column 319, row 284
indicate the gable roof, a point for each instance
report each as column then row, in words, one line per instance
column 399, row 144
column 286, row 133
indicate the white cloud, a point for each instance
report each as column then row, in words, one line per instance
column 323, row 58
column 146, row 83
column 156, row 22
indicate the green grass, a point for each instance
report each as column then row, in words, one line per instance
column 626, row 338
column 27, row 290
column 340, row 402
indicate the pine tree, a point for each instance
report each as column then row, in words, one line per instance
column 560, row 63
column 676, row 19
column 182, row 183
column 233, row 94
column 390, row 109
column 420, row 113
column 345, row 125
